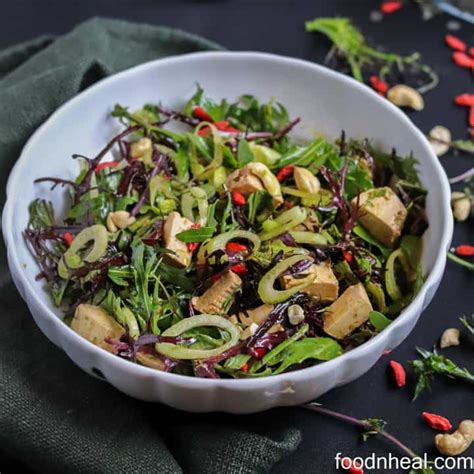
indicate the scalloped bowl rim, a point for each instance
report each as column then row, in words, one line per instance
column 310, row 372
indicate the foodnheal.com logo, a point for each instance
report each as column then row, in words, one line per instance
column 392, row 462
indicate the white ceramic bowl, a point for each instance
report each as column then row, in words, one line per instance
column 326, row 101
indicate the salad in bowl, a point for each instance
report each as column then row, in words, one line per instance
column 207, row 242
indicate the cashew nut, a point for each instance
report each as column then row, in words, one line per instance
column 449, row 338
column 269, row 180
column 119, row 220
column 461, row 205
column 405, row 96
column 295, row 314
column 457, row 442
column 440, row 138
column 140, row 147
column 306, row 181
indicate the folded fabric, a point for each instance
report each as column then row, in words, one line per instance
column 55, row 418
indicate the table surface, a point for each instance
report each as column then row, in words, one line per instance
column 277, row 26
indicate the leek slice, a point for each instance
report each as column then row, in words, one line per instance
column 391, row 284
column 219, row 242
column 182, row 352
column 287, row 220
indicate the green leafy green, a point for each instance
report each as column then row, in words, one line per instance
column 199, row 234
column 244, row 153
column 378, row 320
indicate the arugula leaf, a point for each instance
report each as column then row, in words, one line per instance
column 176, row 276
column 244, row 153
column 367, row 236
column 378, row 320
column 196, row 235
column 258, row 201
column 319, row 348
column 41, row 214
column 314, row 155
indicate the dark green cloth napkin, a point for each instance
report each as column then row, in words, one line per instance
column 53, row 417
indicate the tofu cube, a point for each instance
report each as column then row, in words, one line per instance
column 382, row 214
column 324, row 287
column 348, row 312
column 95, row 325
column 215, row 299
column 175, row 224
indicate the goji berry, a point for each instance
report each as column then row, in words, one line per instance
column 222, row 125
column 463, row 60
column 285, row 172
column 245, row 368
column 352, row 466
column 68, row 238
column 455, row 43
column 192, row 246
column 239, row 268
column 398, row 372
column 465, row 100
column 437, row 422
column 107, row 164
column 465, row 250
column 235, row 247
column 378, row 85
column 201, row 114
column 390, row 7
column 238, row 198
column 348, row 256
column 204, row 131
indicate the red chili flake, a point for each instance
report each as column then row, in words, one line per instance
column 398, row 372
column 465, row 100
column 192, row 246
column 437, row 422
column 285, row 172
column 259, row 352
column 201, row 114
column 238, row 198
column 245, row 368
column 107, row 164
column 235, row 247
column 390, row 7
column 68, row 238
column 239, row 268
column 465, row 250
column 352, row 466
column 348, row 257
column 463, row 60
column 455, row 43
column 378, row 85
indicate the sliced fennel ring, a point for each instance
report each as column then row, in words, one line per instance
column 266, row 289
column 182, row 352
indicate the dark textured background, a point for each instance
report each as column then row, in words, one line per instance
column 277, row 26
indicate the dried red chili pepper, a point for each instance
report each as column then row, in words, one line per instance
column 455, row 43
column 398, row 372
column 235, row 247
column 390, row 7
column 238, row 198
column 107, row 164
column 463, row 60
column 465, row 250
column 285, row 172
column 437, row 422
column 352, row 466
column 201, row 114
column 378, row 85
column 465, row 100
column 192, row 246
column 239, row 268
column 68, row 238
